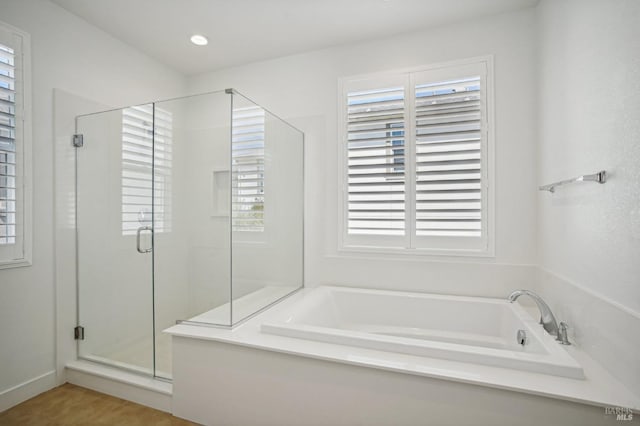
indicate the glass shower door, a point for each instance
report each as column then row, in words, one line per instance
column 114, row 196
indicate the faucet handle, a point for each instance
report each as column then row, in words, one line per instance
column 562, row 334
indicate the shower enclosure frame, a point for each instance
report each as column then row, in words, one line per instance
column 78, row 142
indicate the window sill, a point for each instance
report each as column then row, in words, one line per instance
column 401, row 252
column 18, row 263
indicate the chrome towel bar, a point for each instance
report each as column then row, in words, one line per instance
column 600, row 177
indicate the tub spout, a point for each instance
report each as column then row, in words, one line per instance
column 547, row 319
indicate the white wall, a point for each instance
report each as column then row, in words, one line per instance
column 70, row 54
column 589, row 234
column 589, row 110
column 303, row 89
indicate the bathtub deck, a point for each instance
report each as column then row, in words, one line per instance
column 598, row 388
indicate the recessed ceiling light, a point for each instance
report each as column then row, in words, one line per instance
column 199, row 40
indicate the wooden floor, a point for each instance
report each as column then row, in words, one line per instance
column 70, row 405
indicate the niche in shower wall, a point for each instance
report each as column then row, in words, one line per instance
column 188, row 209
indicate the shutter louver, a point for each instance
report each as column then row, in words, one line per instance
column 146, row 168
column 448, row 130
column 7, row 146
column 376, row 161
column 247, row 171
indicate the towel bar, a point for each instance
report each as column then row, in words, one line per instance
column 600, row 177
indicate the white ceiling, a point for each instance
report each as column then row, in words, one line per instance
column 243, row 31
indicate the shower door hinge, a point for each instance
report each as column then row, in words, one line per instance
column 78, row 140
column 78, row 333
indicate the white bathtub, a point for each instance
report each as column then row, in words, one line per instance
column 467, row 329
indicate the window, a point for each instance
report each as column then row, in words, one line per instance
column 15, row 209
column 146, row 168
column 416, row 160
column 247, row 169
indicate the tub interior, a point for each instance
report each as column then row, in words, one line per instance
column 490, row 323
column 466, row 329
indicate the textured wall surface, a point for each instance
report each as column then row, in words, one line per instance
column 589, row 112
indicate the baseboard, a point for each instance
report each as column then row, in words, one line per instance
column 121, row 384
column 20, row 393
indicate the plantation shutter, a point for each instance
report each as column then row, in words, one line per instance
column 376, row 161
column 247, row 171
column 448, row 131
column 146, row 170
column 7, row 146
column 417, row 160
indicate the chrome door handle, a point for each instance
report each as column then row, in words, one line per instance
column 138, row 232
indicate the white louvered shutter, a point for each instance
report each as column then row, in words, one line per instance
column 376, row 161
column 448, row 131
column 247, row 169
column 417, row 160
column 7, row 146
column 146, row 169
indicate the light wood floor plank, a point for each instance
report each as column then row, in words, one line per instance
column 70, row 405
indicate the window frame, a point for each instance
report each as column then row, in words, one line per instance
column 24, row 200
column 410, row 245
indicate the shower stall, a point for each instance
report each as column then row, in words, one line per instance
column 188, row 209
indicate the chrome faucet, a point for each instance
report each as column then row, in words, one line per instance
column 547, row 319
